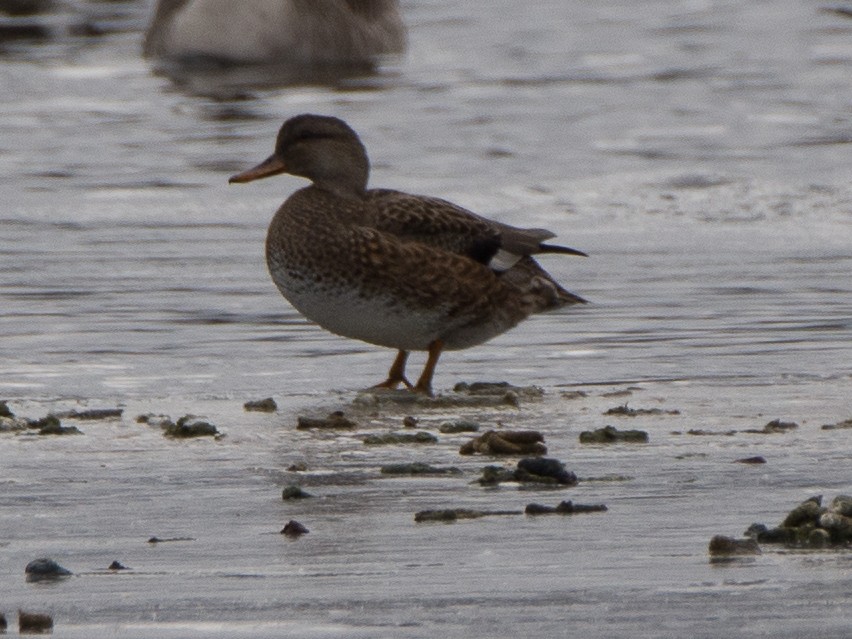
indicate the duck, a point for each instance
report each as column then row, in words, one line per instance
column 289, row 32
column 394, row 269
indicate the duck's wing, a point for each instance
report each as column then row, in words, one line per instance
column 442, row 224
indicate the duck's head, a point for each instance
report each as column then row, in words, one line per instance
column 321, row 148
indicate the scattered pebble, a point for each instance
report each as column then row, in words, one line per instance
column 387, row 439
column 633, row 412
column 536, row 470
column 157, row 540
column 117, row 565
column 267, row 405
column 564, row 508
column 92, row 414
column 728, row 546
column 811, row 525
column 45, row 568
column 611, row 435
column 510, row 442
column 454, row 514
column 294, row 492
column 297, row 467
column 190, row 426
column 409, row 422
column 34, row 623
column 417, row 468
column 158, row 421
column 336, row 420
column 5, row 411
column 460, row 426
column 294, row 529
column 757, row 459
column 775, row 426
column 839, row 425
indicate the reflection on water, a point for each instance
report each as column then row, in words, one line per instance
column 697, row 151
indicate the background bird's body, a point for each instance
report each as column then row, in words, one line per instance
column 298, row 32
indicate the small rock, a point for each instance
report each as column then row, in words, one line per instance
column 727, row 546
column 576, row 394
column 389, row 439
column 117, row 565
column 777, row 535
column 839, row 425
column 159, row 540
column 294, row 529
column 454, row 514
column 53, row 427
column 297, row 467
column 837, row 526
column 409, row 422
column 775, row 426
column 417, row 468
column 5, row 411
column 517, row 442
column 158, row 421
column 92, row 414
column 842, row 505
column 564, row 508
column 294, row 492
column 460, row 426
column 818, row 538
column 34, row 623
column 3, row 623
column 13, row 424
column 336, row 420
column 544, row 470
column 625, row 411
column 751, row 460
column 611, row 435
column 45, row 568
column 805, row 513
column 190, row 426
column 267, row 405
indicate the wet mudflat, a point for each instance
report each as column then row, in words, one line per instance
column 698, row 152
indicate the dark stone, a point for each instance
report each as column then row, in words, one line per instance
column 409, row 422
column 493, row 475
column 159, row 421
column 460, row 426
column 842, row 505
column 389, row 439
column 92, row 414
column 336, row 420
column 751, row 460
column 294, row 492
column 34, row 623
column 5, row 411
column 187, row 427
column 3, row 623
column 517, row 442
column 726, row 546
column 839, row 425
column 417, row 468
column 117, row 565
column 45, row 568
column 297, row 467
column 805, row 513
column 625, row 411
column 454, row 514
column 267, row 405
column 775, row 426
column 294, row 529
column 158, row 540
column 53, row 427
column 542, row 468
column 611, row 435
column 564, row 508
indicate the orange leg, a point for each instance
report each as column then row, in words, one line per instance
column 396, row 374
column 424, row 384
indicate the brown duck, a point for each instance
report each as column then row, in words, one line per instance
column 404, row 271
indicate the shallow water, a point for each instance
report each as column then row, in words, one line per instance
column 698, row 151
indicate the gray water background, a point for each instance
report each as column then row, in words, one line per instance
column 699, row 151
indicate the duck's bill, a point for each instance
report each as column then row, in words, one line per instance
column 269, row 167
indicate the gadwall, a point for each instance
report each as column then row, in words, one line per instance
column 404, row 271
column 290, row 32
